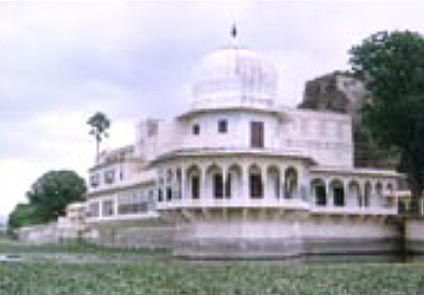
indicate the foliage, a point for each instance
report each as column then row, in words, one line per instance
column 24, row 215
column 158, row 277
column 139, row 272
column 392, row 65
column 99, row 124
column 48, row 198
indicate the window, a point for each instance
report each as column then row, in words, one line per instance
column 339, row 199
column 218, row 186
column 196, row 129
column 110, row 176
column 160, row 197
column 93, row 209
column 320, row 195
column 257, row 134
column 222, row 126
column 168, row 194
column 133, row 203
column 195, row 192
column 94, row 180
column 108, row 209
column 255, row 185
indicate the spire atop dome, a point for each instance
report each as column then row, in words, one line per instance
column 234, row 31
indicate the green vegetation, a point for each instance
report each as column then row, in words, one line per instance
column 48, row 198
column 138, row 272
column 392, row 66
column 99, row 124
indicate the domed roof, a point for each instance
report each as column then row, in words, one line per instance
column 234, row 75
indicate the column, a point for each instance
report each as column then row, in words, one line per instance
column 245, row 182
column 282, row 182
column 183, row 182
column 203, row 189
column 264, row 178
column 330, row 202
column 115, row 204
column 224, row 180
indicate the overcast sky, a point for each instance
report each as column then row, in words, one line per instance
column 60, row 62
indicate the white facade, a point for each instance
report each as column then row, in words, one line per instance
column 237, row 149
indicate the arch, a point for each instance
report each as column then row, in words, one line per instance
column 215, row 181
column 338, row 192
column 355, row 192
column 193, row 181
column 379, row 189
column 367, row 194
column 319, row 191
column 169, row 175
column 390, row 188
column 291, row 183
column 255, row 182
column 233, row 181
column 273, row 181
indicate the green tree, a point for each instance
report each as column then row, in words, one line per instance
column 392, row 66
column 99, row 124
column 24, row 215
column 54, row 190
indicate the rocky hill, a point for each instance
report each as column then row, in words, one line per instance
column 340, row 92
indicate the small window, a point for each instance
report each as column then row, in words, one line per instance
column 109, row 176
column 222, row 126
column 94, row 180
column 196, row 129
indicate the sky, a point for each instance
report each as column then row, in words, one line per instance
column 60, row 62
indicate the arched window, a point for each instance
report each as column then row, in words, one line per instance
column 193, row 179
column 290, row 183
column 255, row 182
column 367, row 194
column 215, row 181
column 319, row 191
column 390, row 188
column 337, row 189
column 218, row 185
column 379, row 189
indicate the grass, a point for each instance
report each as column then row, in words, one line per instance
column 148, row 275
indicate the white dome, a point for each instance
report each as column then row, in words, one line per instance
column 232, row 76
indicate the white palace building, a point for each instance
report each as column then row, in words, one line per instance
column 239, row 176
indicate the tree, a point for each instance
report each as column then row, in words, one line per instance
column 99, row 123
column 54, row 190
column 24, row 215
column 392, row 66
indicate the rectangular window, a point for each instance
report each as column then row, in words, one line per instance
column 196, row 129
column 94, row 180
column 257, row 134
column 195, row 191
column 93, row 209
column 222, row 126
column 108, row 209
column 110, row 176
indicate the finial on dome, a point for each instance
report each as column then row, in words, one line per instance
column 234, row 31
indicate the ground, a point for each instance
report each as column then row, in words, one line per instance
column 92, row 270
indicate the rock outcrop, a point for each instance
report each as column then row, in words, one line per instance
column 341, row 92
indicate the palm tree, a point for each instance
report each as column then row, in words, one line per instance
column 99, row 123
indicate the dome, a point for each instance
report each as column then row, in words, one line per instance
column 232, row 76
